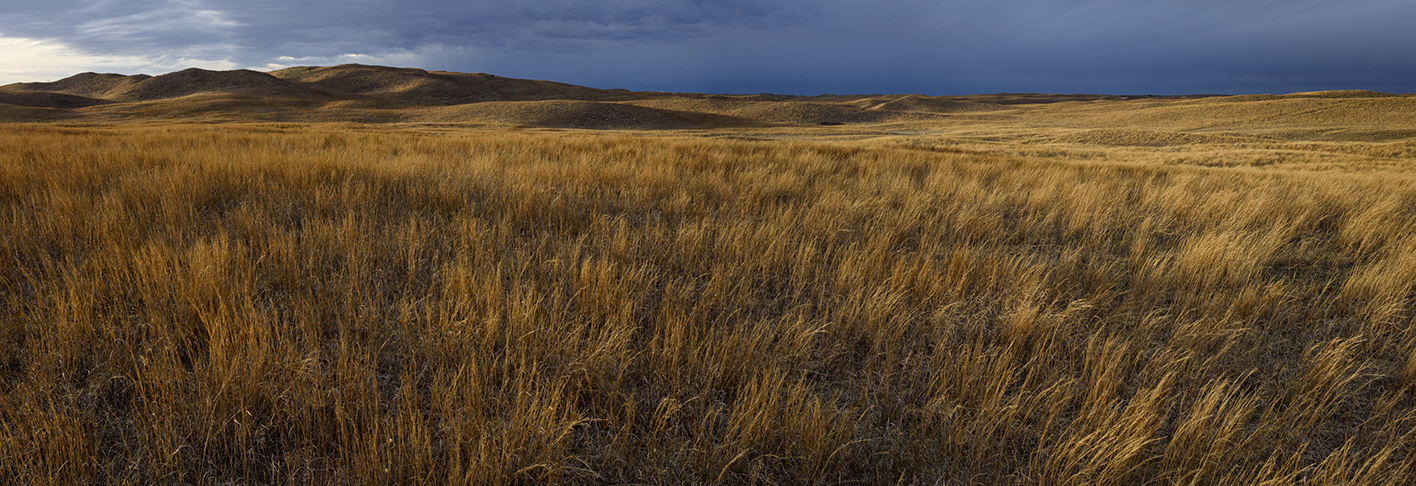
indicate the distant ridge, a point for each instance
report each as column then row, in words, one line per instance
column 425, row 88
column 377, row 84
column 200, row 81
column 378, row 94
column 89, row 85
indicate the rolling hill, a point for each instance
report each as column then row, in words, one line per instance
column 376, row 94
column 354, row 92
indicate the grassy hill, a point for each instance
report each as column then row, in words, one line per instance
column 367, row 280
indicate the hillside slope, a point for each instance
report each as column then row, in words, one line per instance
column 377, row 94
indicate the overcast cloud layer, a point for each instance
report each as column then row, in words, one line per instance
column 741, row 46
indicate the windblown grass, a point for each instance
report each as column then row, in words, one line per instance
column 322, row 305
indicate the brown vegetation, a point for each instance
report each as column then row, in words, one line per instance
column 307, row 304
column 374, row 93
column 992, row 289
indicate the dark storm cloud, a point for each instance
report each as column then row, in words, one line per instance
column 799, row 46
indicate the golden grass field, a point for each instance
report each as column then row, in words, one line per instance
column 969, row 290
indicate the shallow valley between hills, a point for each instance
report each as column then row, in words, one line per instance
column 369, row 275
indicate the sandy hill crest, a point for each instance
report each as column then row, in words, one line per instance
column 88, row 85
column 200, row 81
column 141, row 87
column 374, row 86
column 430, row 88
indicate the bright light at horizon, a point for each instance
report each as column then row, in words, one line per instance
column 24, row 60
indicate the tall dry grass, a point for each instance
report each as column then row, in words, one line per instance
column 323, row 305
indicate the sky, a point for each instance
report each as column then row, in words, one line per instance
column 807, row 47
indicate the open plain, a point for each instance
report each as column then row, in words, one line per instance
column 367, row 275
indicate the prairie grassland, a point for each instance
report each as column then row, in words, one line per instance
column 323, row 305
